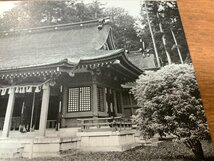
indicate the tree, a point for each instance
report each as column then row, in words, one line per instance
column 43, row 13
column 164, row 18
column 171, row 104
column 123, row 28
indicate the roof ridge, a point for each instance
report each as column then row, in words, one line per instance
column 100, row 20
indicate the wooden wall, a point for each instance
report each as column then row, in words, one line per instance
column 198, row 21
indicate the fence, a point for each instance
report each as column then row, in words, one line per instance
column 110, row 123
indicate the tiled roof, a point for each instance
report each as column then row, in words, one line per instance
column 50, row 45
column 140, row 61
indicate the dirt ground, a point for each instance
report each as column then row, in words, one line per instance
column 167, row 151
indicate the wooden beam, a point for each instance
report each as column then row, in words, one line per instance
column 122, row 73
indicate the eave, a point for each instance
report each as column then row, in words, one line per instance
column 117, row 62
column 37, row 67
column 102, row 59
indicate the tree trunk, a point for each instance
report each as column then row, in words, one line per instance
column 196, row 147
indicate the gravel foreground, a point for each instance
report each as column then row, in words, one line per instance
column 166, row 151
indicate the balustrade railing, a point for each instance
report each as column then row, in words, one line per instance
column 14, row 124
column 111, row 123
column 51, row 124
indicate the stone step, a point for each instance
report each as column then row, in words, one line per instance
column 153, row 143
column 150, row 142
column 154, row 139
column 10, row 155
column 11, row 152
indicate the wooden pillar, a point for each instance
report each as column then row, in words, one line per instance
column 60, row 109
column 94, row 94
column 122, row 106
column 104, row 100
column 94, row 100
column 44, row 110
column 9, row 113
column 64, row 105
column 131, row 104
column 32, row 112
column 115, row 101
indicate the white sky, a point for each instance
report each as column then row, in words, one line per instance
column 4, row 6
column 132, row 6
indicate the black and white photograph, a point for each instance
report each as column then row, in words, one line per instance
column 98, row 80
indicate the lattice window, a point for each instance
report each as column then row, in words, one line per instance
column 100, row 93
column 85, row 99
column 79, row 99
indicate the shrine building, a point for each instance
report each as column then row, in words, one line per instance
column 52, row 77
column 57, row 74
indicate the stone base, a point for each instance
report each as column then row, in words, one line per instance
column 107, row 141
column 12, row 148
column 36, row 147
column 49, row 147
column 32, row 147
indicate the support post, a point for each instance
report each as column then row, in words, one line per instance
column 32, row 112
column 64, row 105
column 94, row 94
column 115, row 101
column 121, row 102
column 131, row 104
column 60, row 109
column 104, row 100
column 95, row 100
column 44, row 110
column 9, row 113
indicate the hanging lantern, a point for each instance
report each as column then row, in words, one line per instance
column 38, row 89
column 3, row 92
column 17, row 90
column 9, row 91
column 20, row 90
column 100, row 27
column 29, row 89
column 23, row 90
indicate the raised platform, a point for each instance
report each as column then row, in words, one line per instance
column 29, row 145
column 36, row 147
column 49, row 147
column 107, row 141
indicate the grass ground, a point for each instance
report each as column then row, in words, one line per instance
column 167, row 151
